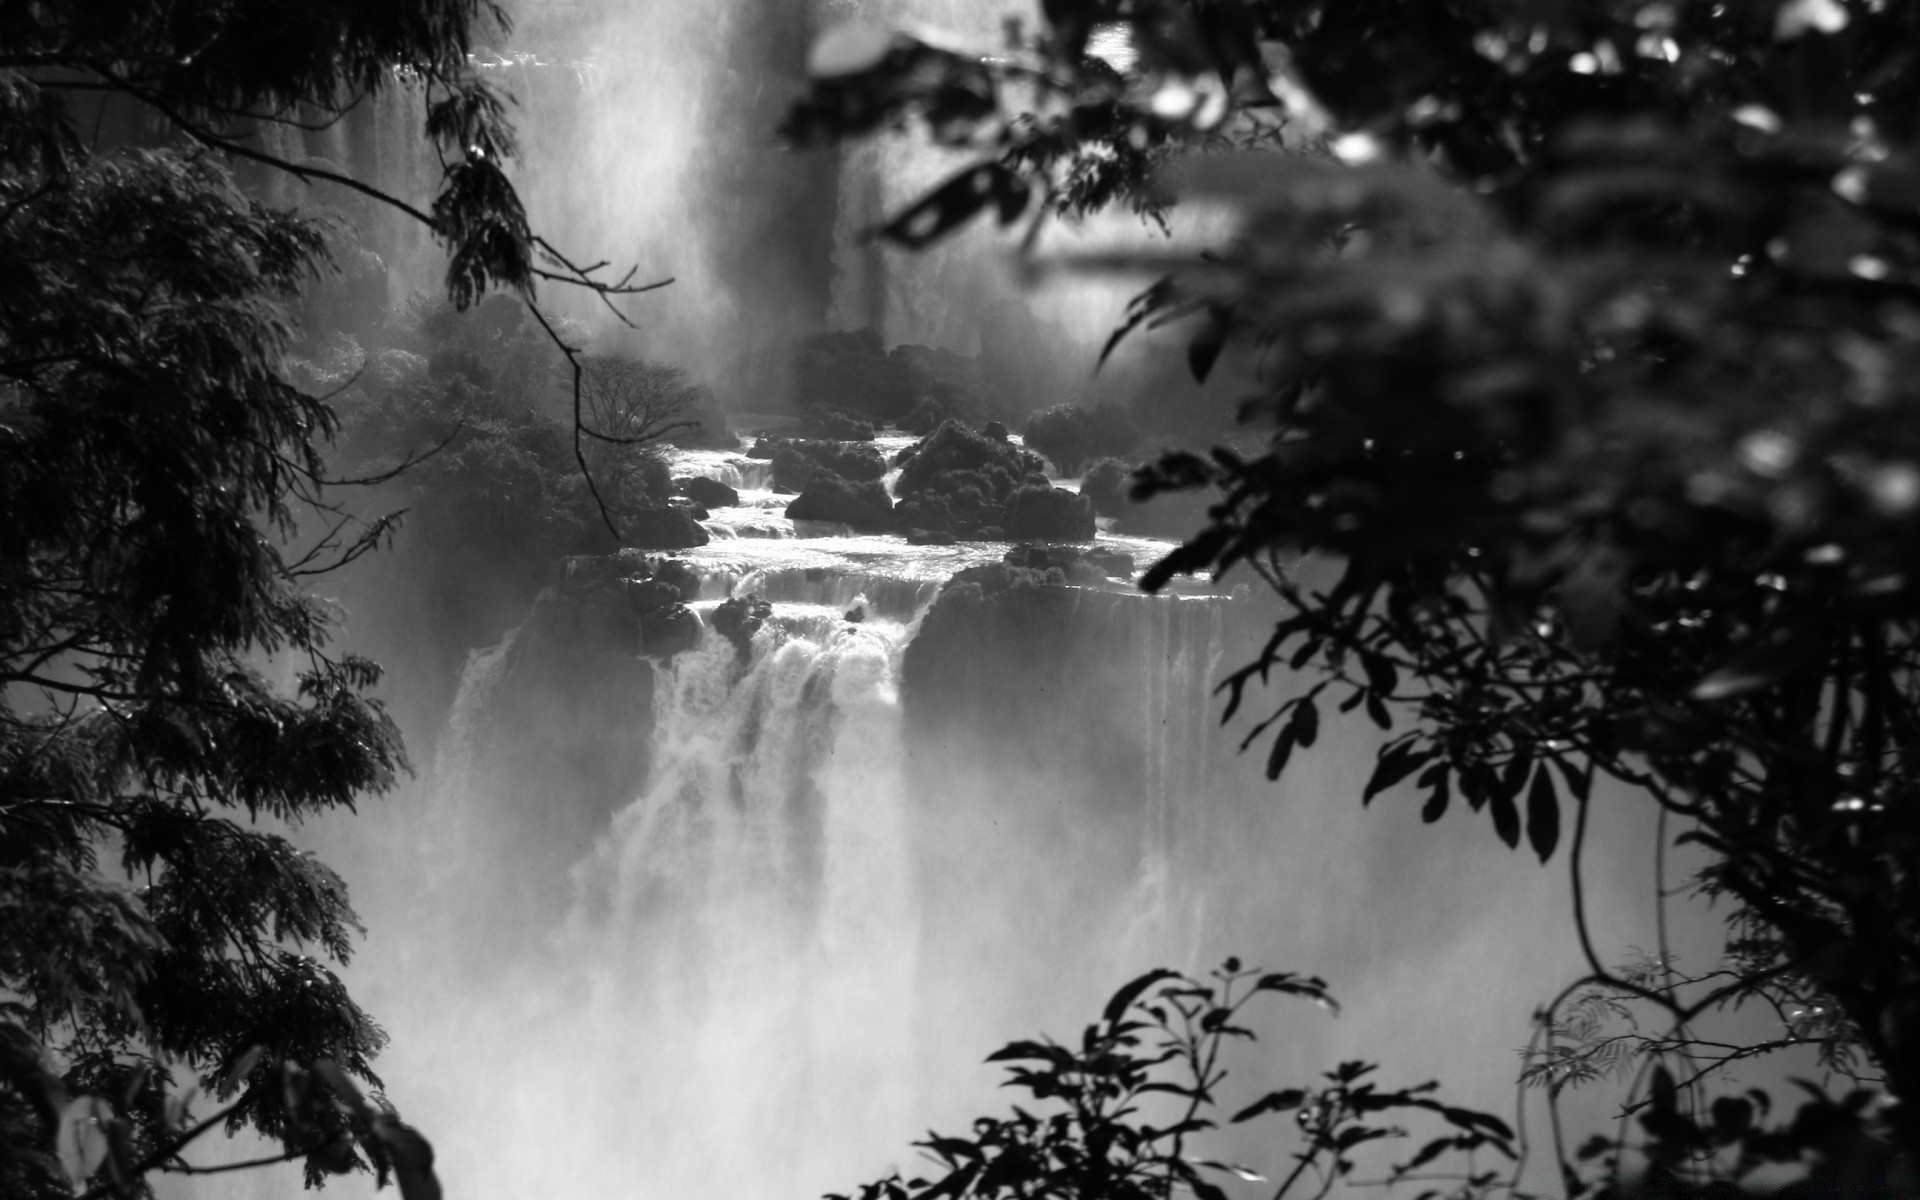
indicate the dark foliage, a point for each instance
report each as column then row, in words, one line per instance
column 1584, row 335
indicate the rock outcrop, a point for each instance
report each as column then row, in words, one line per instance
column 708, row 493
column 665, row 528
column 1049, row 514
column 795, row 463
column 863, row 505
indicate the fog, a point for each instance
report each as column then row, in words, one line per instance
column 745, row 925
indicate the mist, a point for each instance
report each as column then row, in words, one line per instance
column 745, row 919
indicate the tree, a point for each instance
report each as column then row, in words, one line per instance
column 1584, row 334
column 631, row 405
column 154, row 462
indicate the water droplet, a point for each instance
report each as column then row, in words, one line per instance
column 1768, row 452
column 1797, row 18
column 1894, row 489
column 1583, row 63
column 1755, row 116
column 1825, row 555
column 1356, row 148
column 1866, row 266
column 1851, row 185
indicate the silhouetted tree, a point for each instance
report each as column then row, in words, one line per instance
column 154, row 461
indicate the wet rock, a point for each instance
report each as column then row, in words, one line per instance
column 1049, row 514
column 662, row 529
column 668, row 631
column 763, row 447
column 679, row 575
column 864, row 505
column 996, row 431
column 708, row 493
column 1072, row 562
column 650, row 595
column 738, row 618
column 928, row 537
column 960, row 481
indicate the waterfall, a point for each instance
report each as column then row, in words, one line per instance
column 738, row 967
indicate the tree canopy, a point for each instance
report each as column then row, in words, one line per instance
column 1584, row 335
column 156, row 464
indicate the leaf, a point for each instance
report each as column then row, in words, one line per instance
column 1377, row 711
column 1396, row 763
column 82, row 1137
column 1436, row 805
column 1306, row 720
column 1282, row 751
column 237, row 1074
column 1381, row 673
column 1432, row 1150
column 1123, row 999
column 1543, row 815
column 1204, row 350
column 343, row 1086
column 1283, row 1101
column 1506, row 819
column 1024, row 1051
column 412, row 1158
column 945, row 208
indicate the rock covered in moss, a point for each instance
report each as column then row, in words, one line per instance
column 795, row 463
column 738, row 618
column 1106, row 485
column 664, row 528
column 1070, row 435
column 668, row 631
column 708, row 493
column 959, row 481
column 1049, row 514
column 864, row 505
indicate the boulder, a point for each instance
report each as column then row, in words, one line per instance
column 650, row 595
column 708, row 493
column 668, row 631
column 679, row 575
column 996, row 431
column 1049, row 514
column 954, row 447
column 662, row 529
column 738, row 618
column 863, row 505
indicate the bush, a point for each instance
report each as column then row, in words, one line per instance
column 1069, row 435
column 1105, row 485
column 796, row 462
